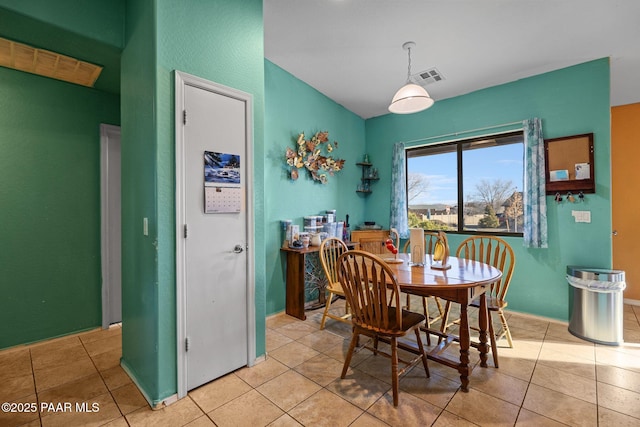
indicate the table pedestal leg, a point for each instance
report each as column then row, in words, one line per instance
column 463, row 368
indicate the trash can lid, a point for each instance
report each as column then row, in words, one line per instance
column 602, row 274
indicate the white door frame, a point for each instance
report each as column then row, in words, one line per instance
column 182, row 80
column 106, row 133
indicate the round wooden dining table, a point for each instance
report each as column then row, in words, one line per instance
column 464, row 281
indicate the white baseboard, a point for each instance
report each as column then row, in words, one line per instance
column 153, row 405
column 536, row 317
column 632, row 301
column 170, row 400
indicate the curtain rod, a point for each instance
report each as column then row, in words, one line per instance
column 463, row 132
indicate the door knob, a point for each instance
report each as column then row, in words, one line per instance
column 614, row 232
column 238, row 249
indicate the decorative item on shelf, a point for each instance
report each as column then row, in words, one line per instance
column 441, row 253
column 296, row 244
column 310, row 155
column 305, row 239
column 286, row 223
column 393, row 248
column 293, row 232
column 369, row 174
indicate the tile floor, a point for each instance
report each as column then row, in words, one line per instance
column 549, row 378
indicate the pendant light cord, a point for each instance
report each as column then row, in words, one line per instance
column 409, row 66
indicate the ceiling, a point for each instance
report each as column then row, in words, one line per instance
column 351, row 50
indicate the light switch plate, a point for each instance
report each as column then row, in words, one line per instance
column 145, row 226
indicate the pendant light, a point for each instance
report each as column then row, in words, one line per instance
column 411, row 97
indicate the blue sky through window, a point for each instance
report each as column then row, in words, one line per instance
column 504, row 162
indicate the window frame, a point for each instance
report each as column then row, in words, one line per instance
column 459, row 145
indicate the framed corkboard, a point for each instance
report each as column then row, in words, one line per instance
column 569, row 164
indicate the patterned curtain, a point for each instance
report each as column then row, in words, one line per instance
column 535, row 200
column 399, row 219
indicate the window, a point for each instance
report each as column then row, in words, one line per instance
column 484, row 176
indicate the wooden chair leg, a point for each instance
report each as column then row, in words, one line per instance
column 439, row 304
column 394, row 369
column 422, row 352
column 505, row 328
column 445, row 319
column 326, row 310
column 425, row 308
column 494, row 346
column 347, row 360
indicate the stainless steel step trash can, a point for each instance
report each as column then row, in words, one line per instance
column 596, row 304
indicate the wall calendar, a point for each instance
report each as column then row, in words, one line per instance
column 222, row 199
column 222, row 186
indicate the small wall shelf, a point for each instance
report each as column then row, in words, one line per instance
column 369, row 174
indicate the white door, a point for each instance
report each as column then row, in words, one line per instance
column 215, row 246
column 111, row 220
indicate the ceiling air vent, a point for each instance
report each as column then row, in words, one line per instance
column 45, row 63
column 423, row 78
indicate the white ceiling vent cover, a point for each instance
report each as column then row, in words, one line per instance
column 423, row 78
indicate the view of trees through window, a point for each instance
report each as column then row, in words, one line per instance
column 482, row 176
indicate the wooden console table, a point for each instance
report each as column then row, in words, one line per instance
column 295, row 277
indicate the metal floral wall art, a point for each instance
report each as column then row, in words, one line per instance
column 314, row 155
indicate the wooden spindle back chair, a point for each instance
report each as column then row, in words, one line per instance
column 373, row 294
column 499, row 254
column 330, row 250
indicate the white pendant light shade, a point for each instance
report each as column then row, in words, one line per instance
column 410, row 98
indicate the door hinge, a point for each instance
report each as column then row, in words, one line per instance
column 184, row 117
column 186, row 344
column 185, row 231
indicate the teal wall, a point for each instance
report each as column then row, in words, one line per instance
column 98, row 20
column 293, row 107
column 141, row 292
column 570, row 101
column 221, row 41
column 50, row 203
column 90, row 31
